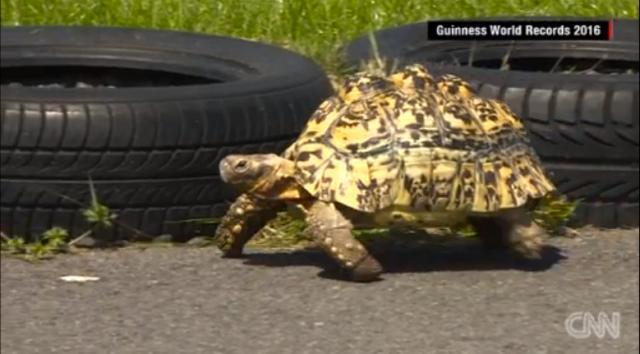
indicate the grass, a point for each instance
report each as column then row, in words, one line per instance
column 316, row 28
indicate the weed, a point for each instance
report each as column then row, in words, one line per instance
column 57, row 239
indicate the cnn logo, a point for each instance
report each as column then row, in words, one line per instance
column 583, row 325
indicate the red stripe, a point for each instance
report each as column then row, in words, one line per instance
column 610, row 29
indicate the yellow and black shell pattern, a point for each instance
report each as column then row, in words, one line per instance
column 409, row 140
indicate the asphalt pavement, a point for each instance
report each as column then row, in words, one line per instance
column 453, row 299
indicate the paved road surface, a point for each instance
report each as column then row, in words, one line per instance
column 188, row 300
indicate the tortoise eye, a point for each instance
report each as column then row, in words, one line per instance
column 241, row 165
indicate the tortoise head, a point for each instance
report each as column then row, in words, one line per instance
column 247, row 171
column 260, row 174
column 362, row 84
column 413, row 77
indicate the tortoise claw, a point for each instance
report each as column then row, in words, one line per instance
column 367, row 270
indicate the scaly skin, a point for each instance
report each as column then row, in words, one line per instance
column 512, row 229
column 332, row 232
column 246, row 216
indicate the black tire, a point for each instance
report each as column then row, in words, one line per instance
column 584, row 127
column 152, row 143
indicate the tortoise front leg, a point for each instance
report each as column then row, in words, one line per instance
column 245, row 217
column 332, row 232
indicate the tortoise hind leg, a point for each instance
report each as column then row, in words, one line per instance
column 512, row 229
column 332, row 232
column 246, row 216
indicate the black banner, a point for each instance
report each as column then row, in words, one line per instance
column 519, row 30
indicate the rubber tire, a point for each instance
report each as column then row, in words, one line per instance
column 152, row 152
column 584, row 127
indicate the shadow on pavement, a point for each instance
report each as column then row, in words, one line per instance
column 418, row 259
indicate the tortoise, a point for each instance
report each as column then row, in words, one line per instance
column 401, row 150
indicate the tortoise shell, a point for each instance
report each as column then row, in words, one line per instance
column 409, row 140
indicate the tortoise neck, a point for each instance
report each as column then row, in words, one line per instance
column 279, row 184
